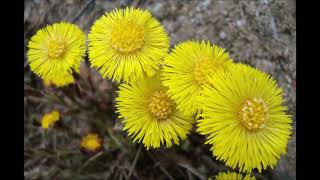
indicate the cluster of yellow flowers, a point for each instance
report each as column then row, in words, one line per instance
column 162, row 93
column 90, row 142
column 232, row 176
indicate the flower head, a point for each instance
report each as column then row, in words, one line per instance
column 56, row 50
column 245, row 119
column 49, row 119
column 233, row 176
column 91, row 142
column 186, row 71
column 149, row 113
column 61, row 82
column 126, row 43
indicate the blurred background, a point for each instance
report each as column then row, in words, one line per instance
column 261, row 33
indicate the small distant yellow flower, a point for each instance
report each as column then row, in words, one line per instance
column 56, row 50
column 91, row 142
column 150, row 115
column 244, row 118
column 233, row 176
column 68, row 79
column 186, row 71
column 125, row 43
column 47, row 83
column 49, row 119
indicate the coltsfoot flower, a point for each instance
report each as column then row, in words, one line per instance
column 233, row 176
column 149, row 114
column 56, row 50
column 61, row 82
column 49, row 119
column 244, row 118
column 125, row 43
column 186, row 71
column 91, row 142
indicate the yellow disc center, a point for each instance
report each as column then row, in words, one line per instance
column 202, row 69
column 253, row 113
column 127, row 37
column 56, row 48
column 160, row 105
column 93, row 143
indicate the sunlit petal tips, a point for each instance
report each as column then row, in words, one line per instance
column 65, row 80
column 244, row 118
column 56, row 50
column 187, row 68
column 125, row 43
column 233, row 176
column 149, row 115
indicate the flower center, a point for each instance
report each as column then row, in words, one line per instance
column 160, row 105
column 202, row 69
column 127, row 37
column 56, row 48
column 93, row 143
column 253, row 113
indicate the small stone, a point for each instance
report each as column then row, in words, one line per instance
column 240, row 23
column 222, row 35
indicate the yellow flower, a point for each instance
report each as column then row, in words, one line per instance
column 49, row 119
column 125, row 43
column 150, row 115
column 233, row 176
column 56, row 50
column 68, row 79
column 245, row 119
column 186, row 71
column 91, row 142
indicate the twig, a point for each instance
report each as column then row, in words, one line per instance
column 91, row 159
column 192, row 170
column 134, row 161
column 37, row 100
column 90, row 82
column 121, row 175
column 118, row 143
column 161, row 167
column 85, row 7
column 26, row 63
column 166, row 172
column 189, row 175
column 54, row 140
